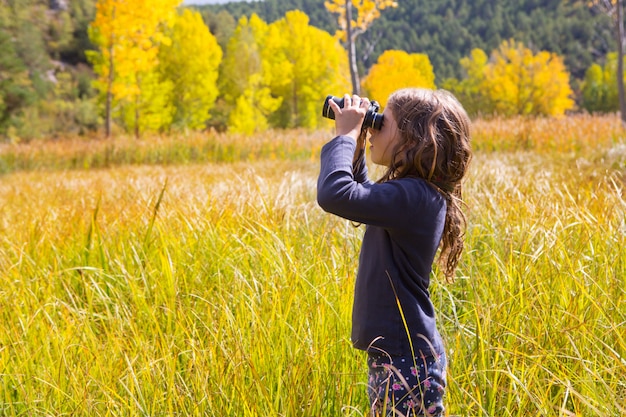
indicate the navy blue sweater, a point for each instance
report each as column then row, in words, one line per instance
column 404, row 221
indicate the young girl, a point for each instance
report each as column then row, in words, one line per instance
column 411, row 212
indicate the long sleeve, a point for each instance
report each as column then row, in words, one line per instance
column 337, row 177
column 346, row 191
column 359, row 168
column 404, row 221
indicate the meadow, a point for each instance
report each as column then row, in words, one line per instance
column 195, row 275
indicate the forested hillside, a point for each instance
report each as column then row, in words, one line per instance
column 447, row 30
column 44, row 75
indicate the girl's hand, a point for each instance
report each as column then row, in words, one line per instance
column 349, row 119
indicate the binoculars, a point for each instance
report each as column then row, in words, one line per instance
column 373, row 119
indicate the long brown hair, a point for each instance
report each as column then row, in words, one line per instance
column 434, row 144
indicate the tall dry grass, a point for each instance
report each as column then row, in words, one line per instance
column 216, row 286
column 176, row 149
column 538, row 318
column 577, row 134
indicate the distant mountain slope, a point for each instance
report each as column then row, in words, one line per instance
column 448, row 30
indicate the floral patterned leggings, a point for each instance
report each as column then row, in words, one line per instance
column 406, row 386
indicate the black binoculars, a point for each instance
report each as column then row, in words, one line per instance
column 373, row 119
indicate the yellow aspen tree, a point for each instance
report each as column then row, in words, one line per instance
column 594, row 89
column 242, row 57
column 519, row 82
column 128, row 35
column 104, row 34
column 469, row 90
column 398, row 69
column 190, row 62
column 615, row 10
column 314, row 65
column 246, row 77
column 474, row 67
column 354, row 17
column 599, row 88
column 151, row 109
column 253, row 107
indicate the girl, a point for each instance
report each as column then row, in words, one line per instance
column 411, row 212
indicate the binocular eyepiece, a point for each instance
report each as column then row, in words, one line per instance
column 373, row 119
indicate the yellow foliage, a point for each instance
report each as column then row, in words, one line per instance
column 364, row 12
column 191, row 62
column 398, row 69
column 153, row 105
column 128, row 36
column 252, row 108
column 599, row 88
column 520, row 82
column 243, row 57
column 249, row 68
column 313, row 66
column 475, row 64
column 129, row 33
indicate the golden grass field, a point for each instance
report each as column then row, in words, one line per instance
column 196, row 276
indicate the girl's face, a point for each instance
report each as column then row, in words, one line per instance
column 384, row 140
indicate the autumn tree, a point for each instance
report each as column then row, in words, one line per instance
column 516, row 81
column 599, row 88
column 469, row 90
column 615, row 10
column 398, row 69
column 221, row 24
column 520, row 82
column 246, row 77
column 128, row 36
column 190, row 62
column 354, row 17
column 313, row 64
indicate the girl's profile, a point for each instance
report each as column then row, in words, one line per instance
column 411, row 213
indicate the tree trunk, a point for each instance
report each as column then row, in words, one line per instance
column 137, row 131
column 620, row 59
column 354, row 70
column 109, row 99
column 294, row 121
column 138, row 113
